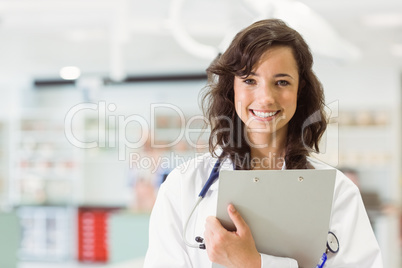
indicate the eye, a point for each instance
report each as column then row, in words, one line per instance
column 282, row 83
column 249, row 81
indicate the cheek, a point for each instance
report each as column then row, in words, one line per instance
column 293, row 101
column 241, row 99
column 289, row 101
column 290, row 97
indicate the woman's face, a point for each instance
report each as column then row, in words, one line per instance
column 266, row 100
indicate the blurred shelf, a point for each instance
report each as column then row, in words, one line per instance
column 46, row 232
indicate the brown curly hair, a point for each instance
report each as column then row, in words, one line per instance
column 306, row 126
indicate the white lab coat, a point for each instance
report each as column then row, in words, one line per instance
column 178, row 194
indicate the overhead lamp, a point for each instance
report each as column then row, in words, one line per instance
column 70, row 73
column 319, row 34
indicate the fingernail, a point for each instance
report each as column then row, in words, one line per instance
column 232, row 208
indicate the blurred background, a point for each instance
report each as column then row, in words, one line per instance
column 101, row 100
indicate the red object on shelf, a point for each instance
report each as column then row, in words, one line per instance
column 93, row 234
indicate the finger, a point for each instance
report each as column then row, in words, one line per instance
column 207, row 237
column 213, row 222
column 240, row 224
column 208, row 232
column 213, row 225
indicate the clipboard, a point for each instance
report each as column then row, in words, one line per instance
column 288, row 211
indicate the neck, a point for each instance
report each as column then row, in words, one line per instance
column 267, row 158
column 268, row 151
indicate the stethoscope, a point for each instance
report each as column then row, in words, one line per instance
column 332, row 246
column 212, row 177
column 332, row 240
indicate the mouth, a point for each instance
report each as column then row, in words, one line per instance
column 264, row 115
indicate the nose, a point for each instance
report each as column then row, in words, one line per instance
column 266, row 94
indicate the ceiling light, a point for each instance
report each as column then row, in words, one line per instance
column 70, row 73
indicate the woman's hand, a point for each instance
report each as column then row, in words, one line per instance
column 231, row 249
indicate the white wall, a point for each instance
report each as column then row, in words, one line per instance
column 360, row 86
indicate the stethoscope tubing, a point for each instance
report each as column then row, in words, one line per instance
column 212, row 177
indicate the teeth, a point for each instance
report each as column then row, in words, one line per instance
column 264, row 115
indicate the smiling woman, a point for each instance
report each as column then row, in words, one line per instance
column 266, row 84
column 266, row 100
column 261, row 96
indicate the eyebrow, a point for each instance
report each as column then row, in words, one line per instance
column 277, row 75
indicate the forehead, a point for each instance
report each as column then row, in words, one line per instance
column 278, row 55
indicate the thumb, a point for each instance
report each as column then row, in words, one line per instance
column 240, row 224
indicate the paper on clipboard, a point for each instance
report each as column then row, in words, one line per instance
column 288, row 211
